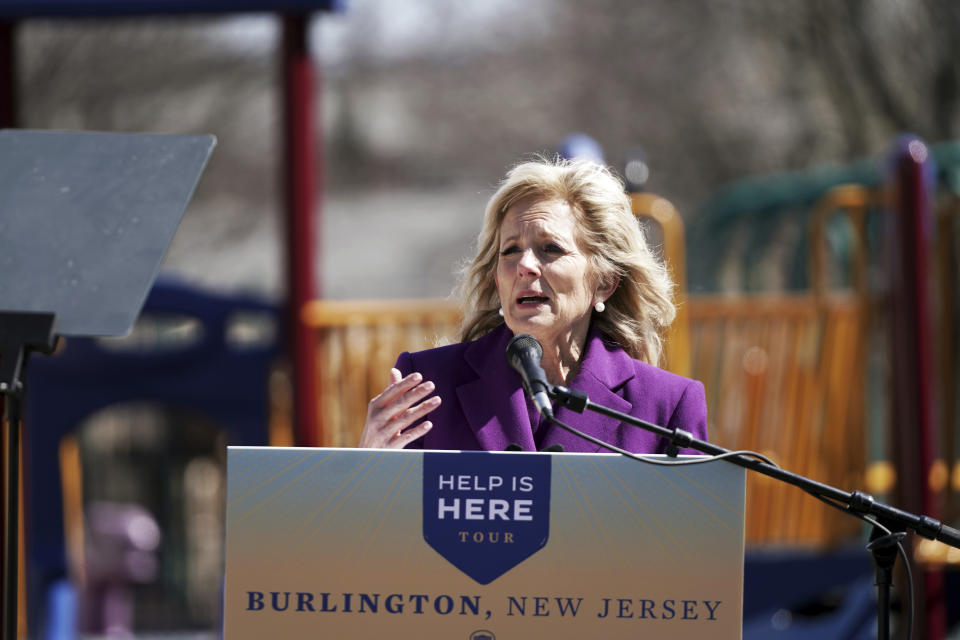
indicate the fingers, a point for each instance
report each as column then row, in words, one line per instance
column 391, row 413
column 402, row 409
column 395, row 389
column 404, row 419
column 406, row 437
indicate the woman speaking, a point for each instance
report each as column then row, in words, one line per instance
column 562, row 258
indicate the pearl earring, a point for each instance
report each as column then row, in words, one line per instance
column 500, row 312
column 600, row 306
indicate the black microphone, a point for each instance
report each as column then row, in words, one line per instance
column 524, row 354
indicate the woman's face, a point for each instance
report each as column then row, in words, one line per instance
column 546, row 285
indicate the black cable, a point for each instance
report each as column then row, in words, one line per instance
column 704, row 458
column 910, row 609
column 906, row 566
column 700, row 459
column 596, row 441
column 900, row 550
column 728, row 454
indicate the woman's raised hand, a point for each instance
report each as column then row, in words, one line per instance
column 391, row 412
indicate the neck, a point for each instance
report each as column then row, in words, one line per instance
column 561, row 357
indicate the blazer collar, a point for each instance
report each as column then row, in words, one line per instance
column 496, row 409
column 606, row 363
column 604, row 370
column 494, row 403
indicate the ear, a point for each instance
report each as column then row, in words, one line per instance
column 606, row 289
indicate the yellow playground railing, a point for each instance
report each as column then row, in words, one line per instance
column 784, row 374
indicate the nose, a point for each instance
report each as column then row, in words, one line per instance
column 528, row 263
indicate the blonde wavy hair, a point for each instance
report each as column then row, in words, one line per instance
column 640, row 308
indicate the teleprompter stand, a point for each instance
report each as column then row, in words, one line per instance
column 85, row 220
column 20, row 333
column 883, row 545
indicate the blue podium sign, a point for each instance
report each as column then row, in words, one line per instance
column 486, row 514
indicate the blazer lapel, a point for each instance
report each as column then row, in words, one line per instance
column 494, row 403
column 603, row 372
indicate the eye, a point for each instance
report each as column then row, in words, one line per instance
column 552, row 247
column 510, row 249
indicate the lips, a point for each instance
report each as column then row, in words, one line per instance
column 531, row 300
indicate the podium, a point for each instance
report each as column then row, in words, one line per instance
column 330, row 543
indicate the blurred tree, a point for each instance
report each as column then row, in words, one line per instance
column 174, row 75
column 881, row 67
column 440, row 95
column 713, row 90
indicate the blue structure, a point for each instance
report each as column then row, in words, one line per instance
column 223, row 379
column 580, row 145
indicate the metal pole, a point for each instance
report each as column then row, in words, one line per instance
column 11, row 510
column 3, row 511
column 915, row 435
column 301, row 177
column 9, row 528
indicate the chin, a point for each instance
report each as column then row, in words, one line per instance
column 539, row 330
column 526, row 325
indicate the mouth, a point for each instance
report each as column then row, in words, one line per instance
column 530, row 301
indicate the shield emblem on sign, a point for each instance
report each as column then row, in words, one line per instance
column 485, row 512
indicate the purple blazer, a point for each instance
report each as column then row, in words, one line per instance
column 484, row 406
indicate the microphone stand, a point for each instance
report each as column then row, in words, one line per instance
column 882, row 547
